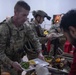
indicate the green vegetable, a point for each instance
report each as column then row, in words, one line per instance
column 25, row 65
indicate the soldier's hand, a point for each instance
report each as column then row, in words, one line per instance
column 41, row 56
column 17, row 66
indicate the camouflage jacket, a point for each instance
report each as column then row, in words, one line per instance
column 38, row 32
column 19, row 37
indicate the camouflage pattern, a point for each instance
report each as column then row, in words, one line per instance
column 19, row 37
column 39, row 32
column 56, row 28
column 41, row 36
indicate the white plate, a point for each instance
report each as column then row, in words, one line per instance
column 29, row 69
column 40, row 62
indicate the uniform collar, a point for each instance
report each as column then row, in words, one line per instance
column 13, row 26
column 34, row 23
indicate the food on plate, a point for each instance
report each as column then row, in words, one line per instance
column 58, row 60
column 62, row 59
column 48, row 59
column 61, row 65
column 25, row 65
column 32, row 62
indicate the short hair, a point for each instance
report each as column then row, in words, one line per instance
column 21, row 4
column 69, row 19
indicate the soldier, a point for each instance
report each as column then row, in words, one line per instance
column 13, row 37
column 39, row 16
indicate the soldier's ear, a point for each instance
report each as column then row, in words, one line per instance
column 72, row 31
column 16, row 12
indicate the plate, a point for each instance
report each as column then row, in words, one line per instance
column 29, row 69
column 37, row 61
column 41, row 62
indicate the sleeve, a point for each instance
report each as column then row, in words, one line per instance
column 31, row 35
column 3, row 37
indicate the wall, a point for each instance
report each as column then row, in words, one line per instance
column 50, row 6
column 6, row 8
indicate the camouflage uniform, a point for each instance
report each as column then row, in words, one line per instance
column 40, row 34
column 17, row 39
column 60, row 40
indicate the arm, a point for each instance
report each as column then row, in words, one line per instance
column 32, row 37
column 40, row 33
column 3, row 38
column 4, row 33
column 35, row 41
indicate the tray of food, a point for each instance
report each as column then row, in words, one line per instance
column 31, row 64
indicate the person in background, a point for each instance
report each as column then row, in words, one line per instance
column 13, row 37
column 68, row 26
column 38, row 19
